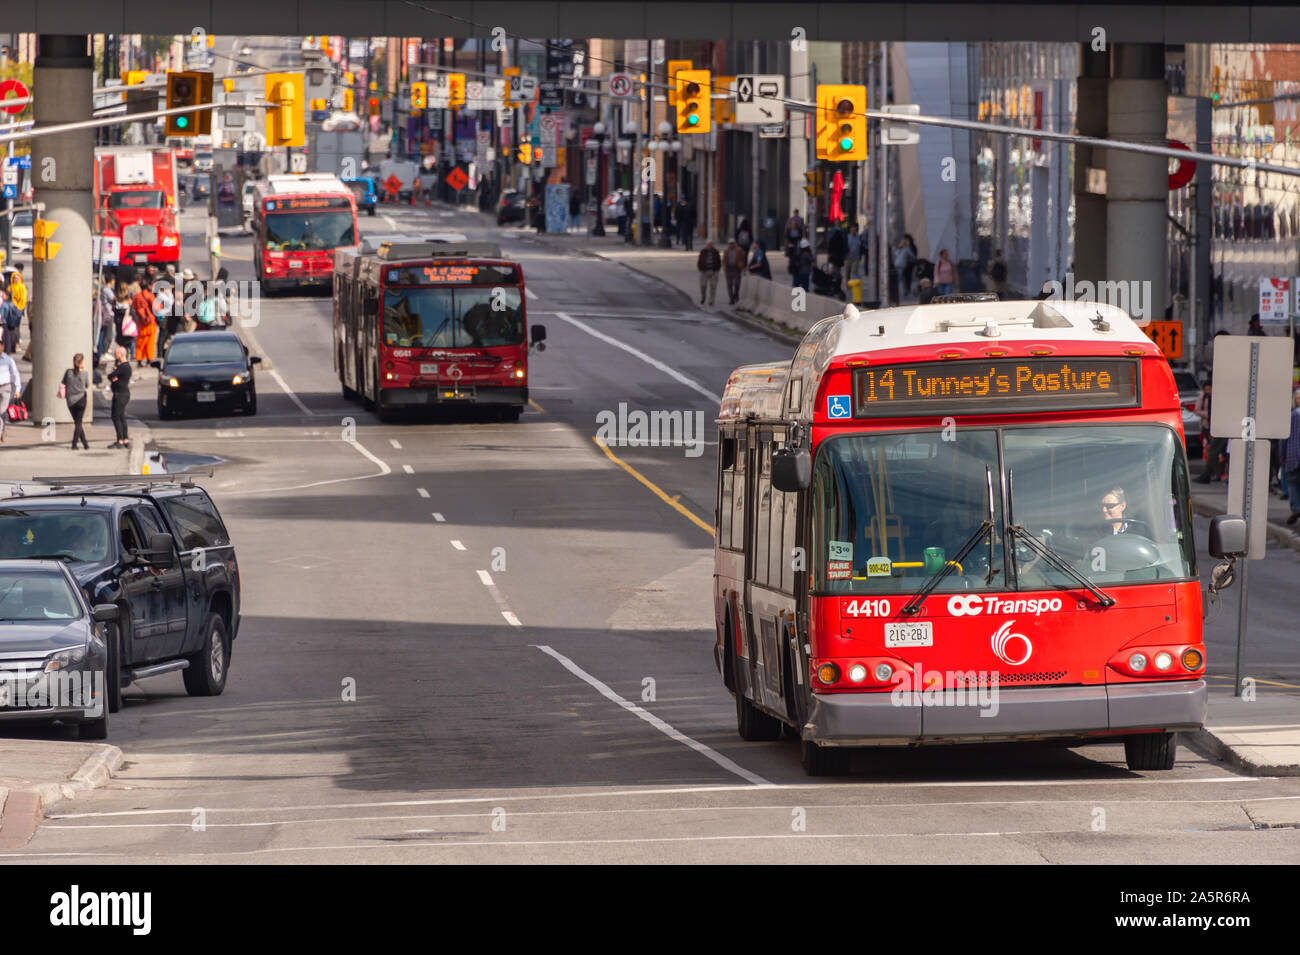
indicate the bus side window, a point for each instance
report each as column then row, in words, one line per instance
column 775, row 553
column 738, row 500
column 762, row 509
column 726, row 488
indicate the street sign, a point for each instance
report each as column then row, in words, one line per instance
column 23, row 162
column 393, row 185
column 620, row 85
column 1274, row 301
column 483, row 137
column 591, row 170
column 1247, row 371
column 105, row 249
column 457, row 178
column 547, row 126
column 474, row 95
column 10, row 176
column 1169, row 336
column 10, row 192
column 505, row 116
column 900, row 134
column 522, row 89
column 773, row 131
column 760, row 98
column 13, row 89
column 298, row 163
column 550, row 93
column 357, row 49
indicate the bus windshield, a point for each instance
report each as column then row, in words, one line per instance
column 308, row 231
column 891, row 509
column 144, row 199
column 481, row 317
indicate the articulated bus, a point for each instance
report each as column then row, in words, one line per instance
column 426, row 321
column 298, row 222
column 959, row 522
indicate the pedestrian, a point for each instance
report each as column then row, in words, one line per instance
column 900, row 279
column 17, row 290
column 744, row 236
column 223, row 300
column 1291, row 460
column 733, row 262
column 945, row 274
column 709, row 264
column 687, row 222
column 12, row 320
column 926, row 294
column 575, row 210
column 852, row 253
column 804, row 260
column 415, row 190
column 189, row 298
column 998, row 274
column 758, row 264
column 106, row 300
column 120, row 382
column 837, row 251
column 209, row 309
column 1255, row 327
column 74, row 389
column 164, row 304
column 11, row 388
column 1214, row 452
column 142, row 306
column 629, row 212
column 794, row 230
column 127, row 329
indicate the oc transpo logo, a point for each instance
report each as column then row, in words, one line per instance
column 1003, row 643
column 962, row 604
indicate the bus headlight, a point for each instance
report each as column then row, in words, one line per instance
column 1164, row 660
column 1192, row 659
column 1137, row 662
column 857, row 673
column 884, row 672
column 828, row 673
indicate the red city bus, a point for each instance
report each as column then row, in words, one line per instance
column 425, row 322
column 959, row 522
column 298, row 222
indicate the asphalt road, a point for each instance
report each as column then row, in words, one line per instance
column 526, row 629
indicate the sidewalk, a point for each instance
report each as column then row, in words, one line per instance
column 35, row 774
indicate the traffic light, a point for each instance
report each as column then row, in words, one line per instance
column 284, row 110
column 693, row 105
column 419, row 95
column 189, row 89
column 841, row 123
column 347, row 100
column 725, row 109
column 456, row 90
column 374, row 106
column 673, row 67
column 135, row 77
column 525, row 154
column 813, row 180
column 42, row 248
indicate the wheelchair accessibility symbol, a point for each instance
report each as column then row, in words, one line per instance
column 837, row 406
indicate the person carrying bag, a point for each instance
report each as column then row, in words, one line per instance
column 74, row 389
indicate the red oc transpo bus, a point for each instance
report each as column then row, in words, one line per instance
column 959, row 522
column 298, row 222
column 424, row 322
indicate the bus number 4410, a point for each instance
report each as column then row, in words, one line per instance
column 867, row 608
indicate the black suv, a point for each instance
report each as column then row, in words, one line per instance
column 157, row 550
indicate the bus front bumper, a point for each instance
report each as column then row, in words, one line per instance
column 464, row 395
column 1019, row 713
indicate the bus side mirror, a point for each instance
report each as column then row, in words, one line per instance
column 538, row 336
column 1228, row 536
column 791, row 469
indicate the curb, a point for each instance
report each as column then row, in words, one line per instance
column 1205, row 743
column 95, row 772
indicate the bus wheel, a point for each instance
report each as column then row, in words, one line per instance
column 1150, row 751
column 822, row 760
column 753, row 724
column 510, row 412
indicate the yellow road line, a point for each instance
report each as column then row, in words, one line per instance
column 537, row 406
column 658, row 492
column 1258, row 682
column 238, row 258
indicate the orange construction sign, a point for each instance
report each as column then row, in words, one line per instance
column 1168, row 336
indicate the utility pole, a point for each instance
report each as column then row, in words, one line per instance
column 882, row 184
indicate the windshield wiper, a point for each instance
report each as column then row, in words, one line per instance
column 1040, row 548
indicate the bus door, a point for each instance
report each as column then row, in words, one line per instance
column 768, row 572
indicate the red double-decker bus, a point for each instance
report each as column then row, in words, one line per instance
column 959, row 522
column 422, row 322
column 298, row 222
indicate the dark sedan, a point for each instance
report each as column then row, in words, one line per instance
column 206, row 371
column 52, row 648
column 512, row 207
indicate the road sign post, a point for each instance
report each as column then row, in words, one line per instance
column 1252, row 392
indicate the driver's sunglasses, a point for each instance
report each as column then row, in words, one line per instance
column 1109, row 505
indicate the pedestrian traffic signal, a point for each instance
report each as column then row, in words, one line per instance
column 284, row 110
column 419, row 95
column 456, row 90
column 694, row 113
column 42, row 248
column 189, row 89
column 841, row 123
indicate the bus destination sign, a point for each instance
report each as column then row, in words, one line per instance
column 453, row 273
column 309, row 202
column 1018, row 386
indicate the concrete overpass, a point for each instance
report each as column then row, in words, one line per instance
column 1272, row 21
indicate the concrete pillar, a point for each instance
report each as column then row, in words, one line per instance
column 799, row 88
column 1137, row 186
column 62, row 172
column 1089, row 207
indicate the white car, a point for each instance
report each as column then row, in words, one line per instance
column 247, row 201
column 21, row 231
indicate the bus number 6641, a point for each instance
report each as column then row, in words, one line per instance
column 867, row 608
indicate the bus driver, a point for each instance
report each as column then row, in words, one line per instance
column 1113, row 505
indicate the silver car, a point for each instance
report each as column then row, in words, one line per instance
column 1189, row 393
